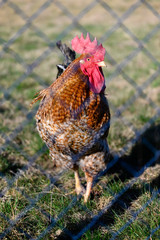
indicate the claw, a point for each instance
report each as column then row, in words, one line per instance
column 80, row 190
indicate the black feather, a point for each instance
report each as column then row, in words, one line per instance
column 69, row 55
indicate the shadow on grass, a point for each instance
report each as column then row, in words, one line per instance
column 126, row 167
column 144, row 149
column 10, row 163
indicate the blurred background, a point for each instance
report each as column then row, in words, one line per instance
column 37, row 202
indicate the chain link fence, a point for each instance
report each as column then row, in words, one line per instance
column 135, row 131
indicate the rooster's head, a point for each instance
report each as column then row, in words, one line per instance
column 91, row 62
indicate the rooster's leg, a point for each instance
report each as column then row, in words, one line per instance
column 89, row 187
column 79, row 188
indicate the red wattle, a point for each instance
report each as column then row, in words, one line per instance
column 96, row 78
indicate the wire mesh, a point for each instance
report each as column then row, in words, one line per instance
column 10, row 138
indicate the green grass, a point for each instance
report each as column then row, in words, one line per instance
column 141, row 226
column 58, row 198
column 32, row 188
column 156, row 83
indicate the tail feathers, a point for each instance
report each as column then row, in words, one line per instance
column 68, row 53
column 40, row 94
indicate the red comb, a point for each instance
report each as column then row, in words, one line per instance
column 81, row 45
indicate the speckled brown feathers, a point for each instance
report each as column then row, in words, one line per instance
column 70, row 118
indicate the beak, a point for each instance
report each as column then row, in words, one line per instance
column 101, row 64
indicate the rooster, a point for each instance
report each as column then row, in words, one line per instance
column 73, row 118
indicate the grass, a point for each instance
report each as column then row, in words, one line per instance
column 33, row 196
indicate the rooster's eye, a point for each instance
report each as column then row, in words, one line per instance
column 88, row 59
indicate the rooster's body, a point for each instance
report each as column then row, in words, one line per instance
column 73, row 121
